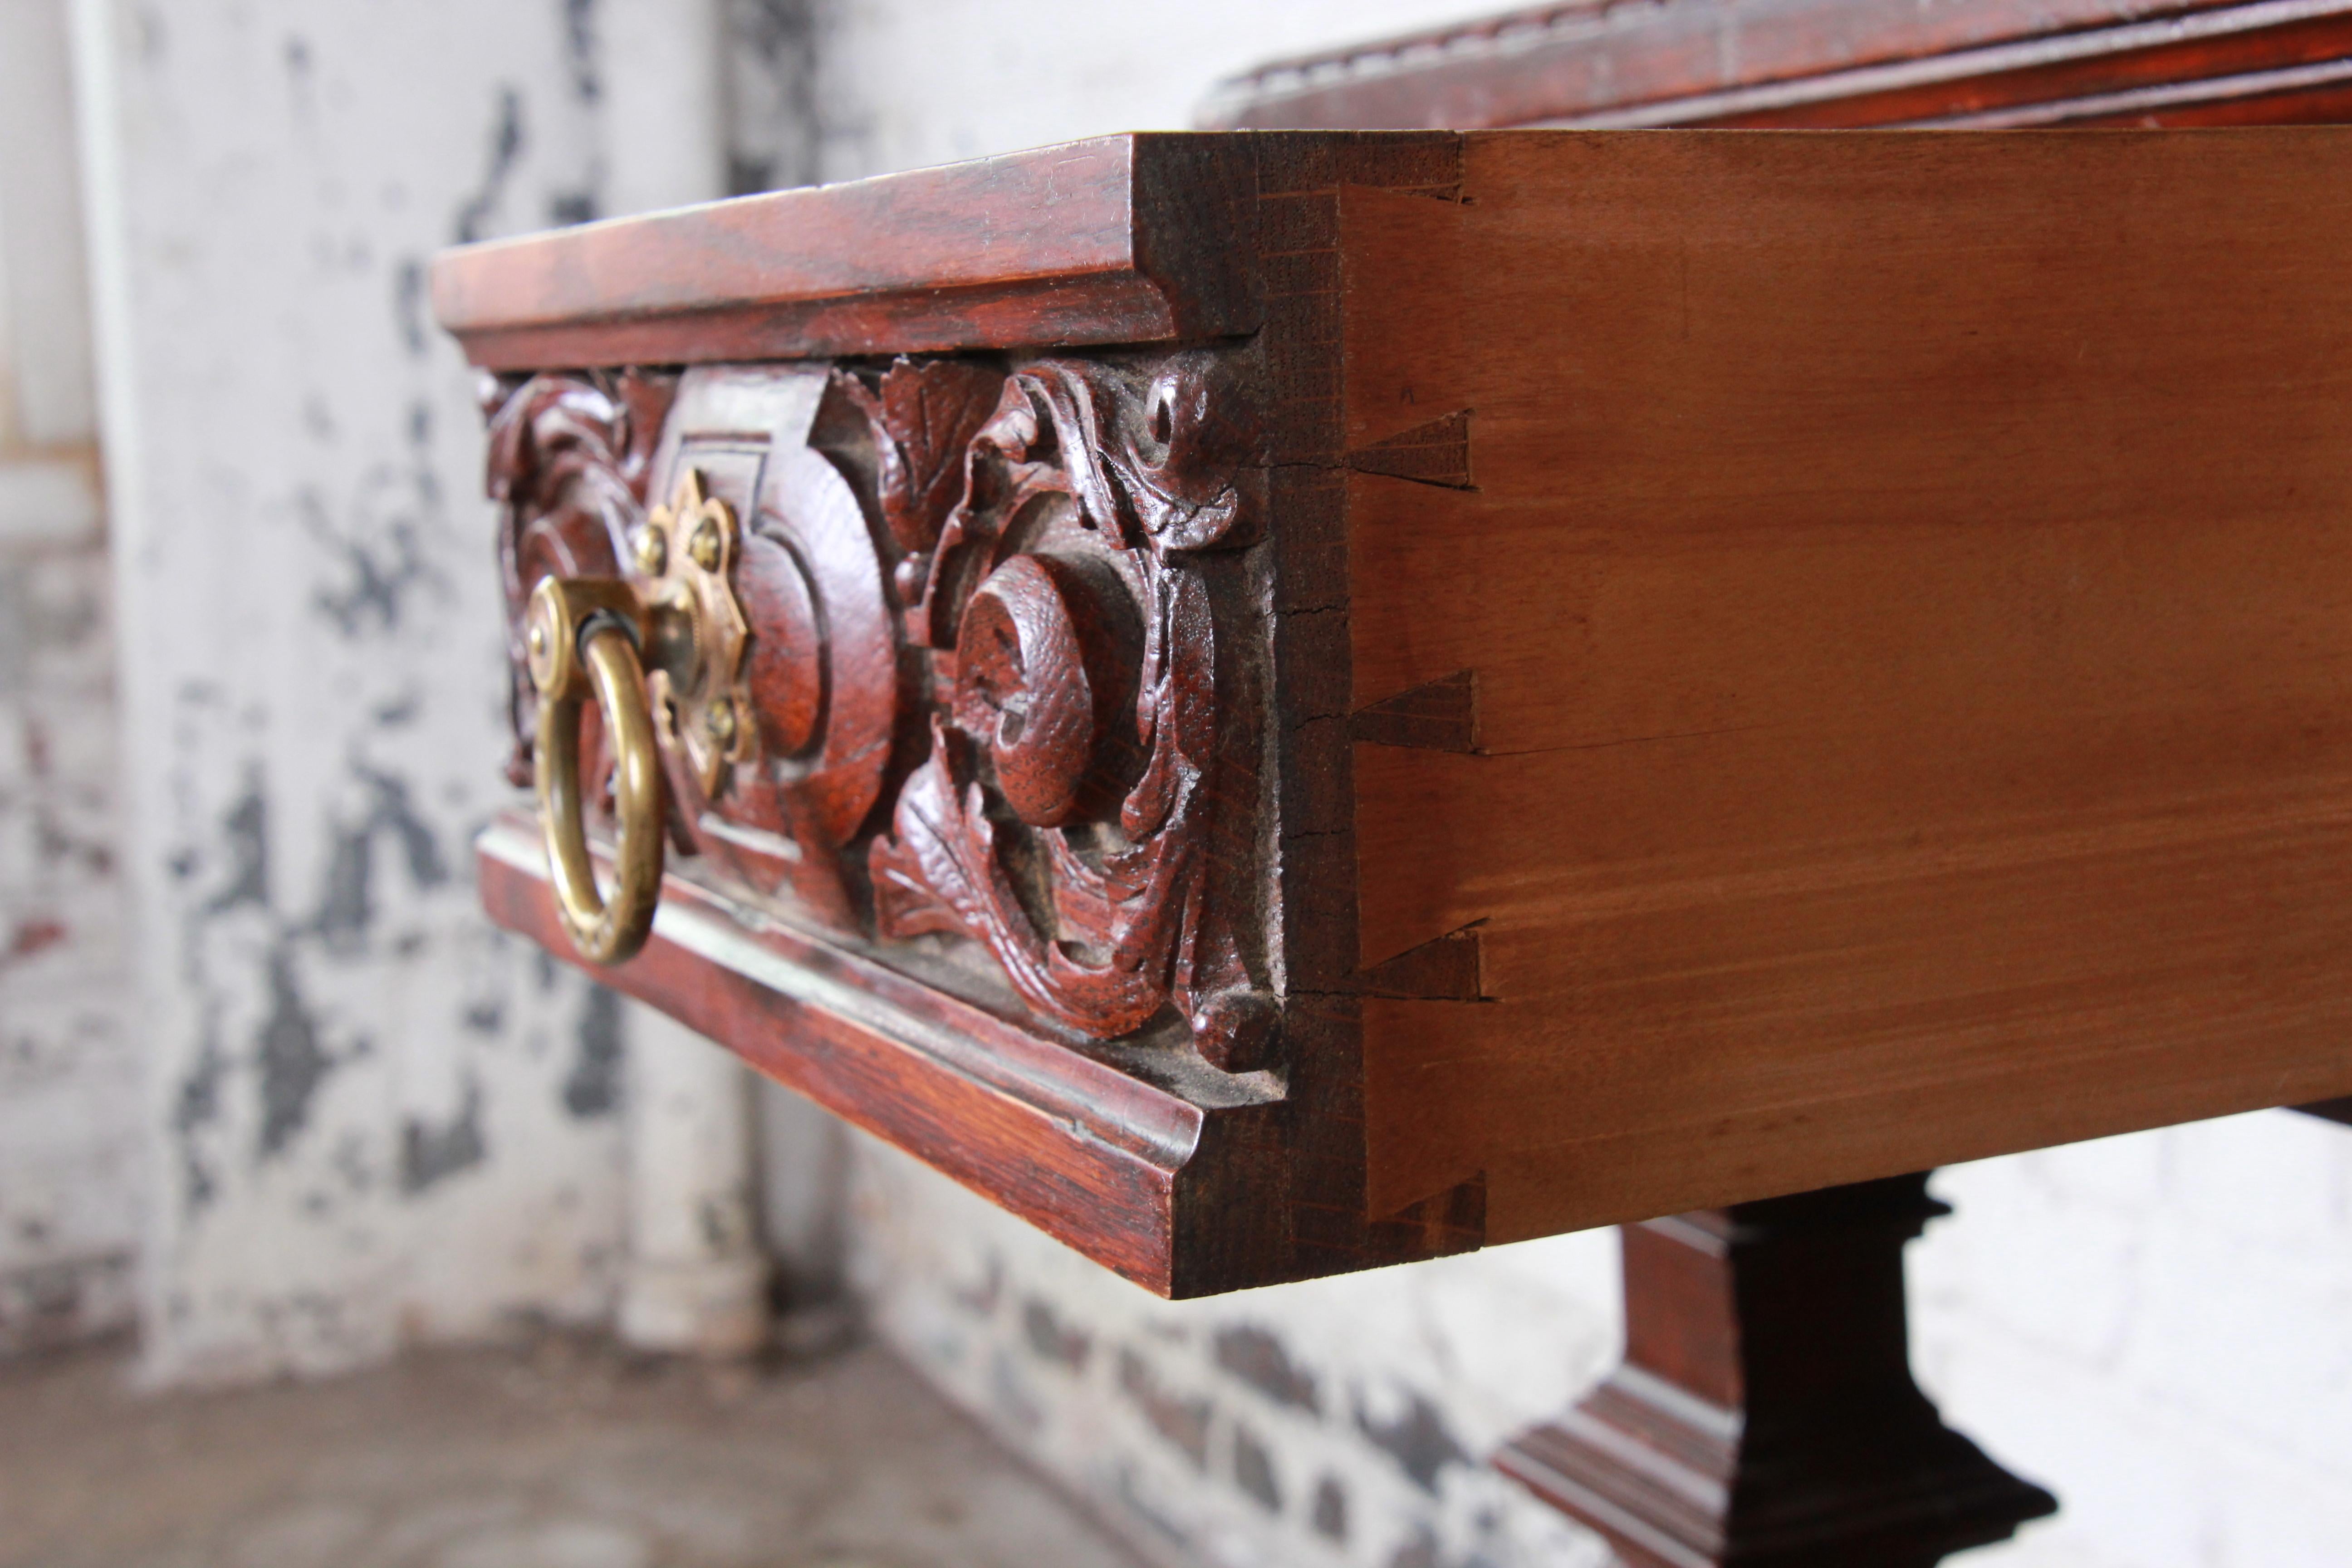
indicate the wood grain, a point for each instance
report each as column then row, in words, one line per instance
column 1912, row 621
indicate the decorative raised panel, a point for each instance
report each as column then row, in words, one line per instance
column 999, row 653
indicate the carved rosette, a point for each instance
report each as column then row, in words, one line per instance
column 1064, row 812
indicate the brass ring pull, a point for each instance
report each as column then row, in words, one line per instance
column 583, row 636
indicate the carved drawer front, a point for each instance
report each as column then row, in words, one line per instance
column 1320, row 700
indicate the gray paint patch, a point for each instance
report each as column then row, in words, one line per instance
column 347, row 903
column 408, row 299
column 582, row 55
column 293, row 1064
column 580, row 51
column 32, row 624
column 1253, row 1470
column 1052, row 1339
column 776, row 122
column 1330, row 1516
column 382, row 574
column 593, row 1087
column 1419, row 1440
column 245, row 835
column 429, row 1154
column 344, row 904
column 506, row 150
column 1258, row 1359
column 51, row 1306
column 1185, row 1421
column 197, row 1107
column 981, row 1299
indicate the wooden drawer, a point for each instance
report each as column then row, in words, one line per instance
column 1313, row 700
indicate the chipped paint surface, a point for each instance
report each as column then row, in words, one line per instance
column 376, row 1119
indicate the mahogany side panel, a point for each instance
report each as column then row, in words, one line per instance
column 1108, row 241
column 1911, row 622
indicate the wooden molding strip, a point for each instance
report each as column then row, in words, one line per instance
column 1100, row 1159
column 1091, row 242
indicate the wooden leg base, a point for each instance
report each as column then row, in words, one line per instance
column 1765, row 1415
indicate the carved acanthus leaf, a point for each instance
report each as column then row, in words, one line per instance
column 923, row 417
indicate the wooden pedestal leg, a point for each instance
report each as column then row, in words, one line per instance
column 1765, row 1413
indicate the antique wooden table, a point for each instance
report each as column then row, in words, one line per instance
column 1283, row 701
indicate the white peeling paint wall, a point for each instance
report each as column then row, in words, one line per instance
column 372, row 1118
column 2158, row 1327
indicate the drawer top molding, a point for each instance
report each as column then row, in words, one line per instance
column 1112, row 240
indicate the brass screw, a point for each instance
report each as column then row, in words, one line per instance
column 721, row 723
column 704, row 545
column 653, row 551
column 537, row 640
